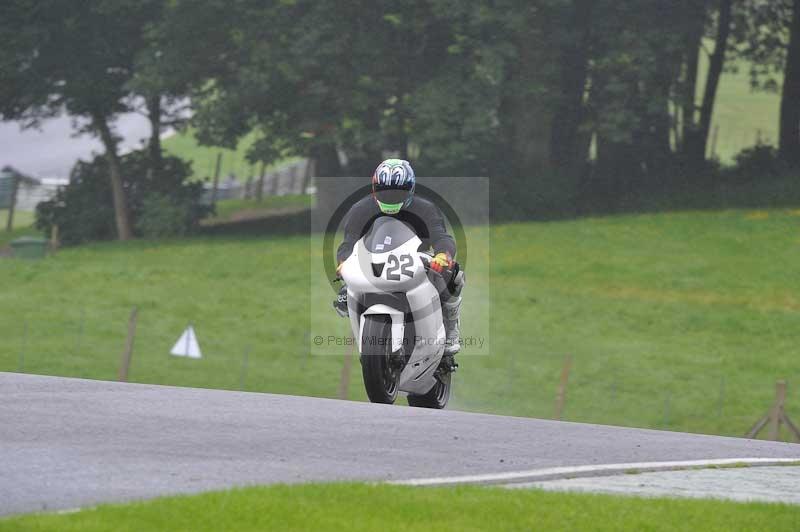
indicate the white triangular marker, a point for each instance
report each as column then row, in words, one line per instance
column 187, row 345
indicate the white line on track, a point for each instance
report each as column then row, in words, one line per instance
column 552, row 473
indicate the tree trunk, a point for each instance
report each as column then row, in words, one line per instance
column 154, row 146
column 618, row 158
column 789, row 135
column 656, row 138
column 565, row 149
column 326, row 160
column 526, row 117
column 657, row 152
column 260, row 185
column 215, row 184
column 694, row 37
column 121, row 215
column 698, row 149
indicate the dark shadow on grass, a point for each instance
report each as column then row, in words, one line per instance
column 294, row 223
column 776, row 194
column 780, row 194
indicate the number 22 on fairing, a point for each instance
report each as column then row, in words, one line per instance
column 402, row 264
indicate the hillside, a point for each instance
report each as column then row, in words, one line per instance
column 679, row 320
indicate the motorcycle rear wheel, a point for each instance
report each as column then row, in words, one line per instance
column 437, row 397
column 380, row 375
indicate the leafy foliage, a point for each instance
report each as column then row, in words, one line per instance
column 162, row 206
column 161, row 217
column 757, row 163
column 525, row 91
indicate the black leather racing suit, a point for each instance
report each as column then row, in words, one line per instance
column 424, row 216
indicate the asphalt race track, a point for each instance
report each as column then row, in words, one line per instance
column 67, row 443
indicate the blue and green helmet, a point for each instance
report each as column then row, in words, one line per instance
column 393, row 185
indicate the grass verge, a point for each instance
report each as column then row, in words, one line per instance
column 355, row 507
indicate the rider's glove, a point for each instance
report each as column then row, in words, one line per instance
column 441, row 261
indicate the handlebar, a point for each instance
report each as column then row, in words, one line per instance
column 447, row 273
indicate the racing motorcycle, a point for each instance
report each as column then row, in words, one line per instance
column 393, row 302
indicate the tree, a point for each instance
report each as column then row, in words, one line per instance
column 635, row 63
column 697, row 149
column 767, row 35
column 789, row 130
column 569, row 145
column 78, row 58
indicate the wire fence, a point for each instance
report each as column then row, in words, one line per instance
column 94, row 344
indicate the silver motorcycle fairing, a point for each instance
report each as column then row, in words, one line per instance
column 427, row 346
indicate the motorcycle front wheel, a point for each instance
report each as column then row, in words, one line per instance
column 380, row 376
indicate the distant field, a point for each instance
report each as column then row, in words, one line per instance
column 681, row 321
column 742, row 115
column 354, row 507
column 23, row 221
column 204, row 158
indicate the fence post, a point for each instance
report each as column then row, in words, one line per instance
column 125, row 363
column 344, row 378
column 21, row 363
column 511, row 373
column 775, row 416
column 276, row 177
column 243, row 373
column 54, row 237
column 776, row 410
column 562, row 387
column 714, row 136
column 260, row 189
column 79, row 339
column 215, row 186
column 12, row 206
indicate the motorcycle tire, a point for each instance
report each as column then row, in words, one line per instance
column 437, row 397
column 380, row 377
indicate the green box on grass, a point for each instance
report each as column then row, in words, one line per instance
column 29, row 247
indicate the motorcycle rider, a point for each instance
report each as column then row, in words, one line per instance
column 393, row 186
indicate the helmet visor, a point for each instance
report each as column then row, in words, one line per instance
column 391, row 195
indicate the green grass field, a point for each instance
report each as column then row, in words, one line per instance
column 354, row 507
column 680, row 321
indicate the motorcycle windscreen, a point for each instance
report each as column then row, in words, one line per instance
column 386, row 234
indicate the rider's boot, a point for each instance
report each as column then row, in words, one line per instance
column 451, row 315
